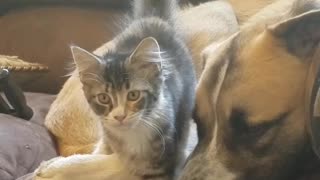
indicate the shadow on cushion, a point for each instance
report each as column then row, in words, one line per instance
column 25, row 144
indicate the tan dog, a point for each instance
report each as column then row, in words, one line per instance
column 70, row 118
column 253, row 99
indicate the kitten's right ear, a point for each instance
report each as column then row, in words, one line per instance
column 85, row 61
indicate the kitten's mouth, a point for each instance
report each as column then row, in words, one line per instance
column 123, row 124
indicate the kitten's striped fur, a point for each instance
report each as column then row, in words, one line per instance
column 150, row 60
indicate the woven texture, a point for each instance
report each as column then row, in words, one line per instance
column 13, row 63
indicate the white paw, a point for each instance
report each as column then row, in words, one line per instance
column 49, row 170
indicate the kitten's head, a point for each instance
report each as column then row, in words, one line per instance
column 121, row 87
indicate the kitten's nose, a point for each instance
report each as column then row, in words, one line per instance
column 120, row 118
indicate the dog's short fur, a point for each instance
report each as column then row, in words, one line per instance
column 253, row 98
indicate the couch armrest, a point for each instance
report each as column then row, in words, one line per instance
column 8, row 5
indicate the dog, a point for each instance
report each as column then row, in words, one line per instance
column 257, row 99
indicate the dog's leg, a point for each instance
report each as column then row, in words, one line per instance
column 83, row 167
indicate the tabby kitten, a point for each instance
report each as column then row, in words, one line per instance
column 142, row 90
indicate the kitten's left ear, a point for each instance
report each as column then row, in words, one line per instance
column 87, row 64
column 300, row 34
column 147, row 53
column 84, row 60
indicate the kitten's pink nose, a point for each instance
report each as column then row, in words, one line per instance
column 120, row 118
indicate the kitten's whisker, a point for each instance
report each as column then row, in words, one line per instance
column 156, row 126
column 162, row 118
column 159, row 132
column 136, row 116
column 161, row 115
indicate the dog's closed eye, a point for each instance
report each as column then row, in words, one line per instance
column 245, row 132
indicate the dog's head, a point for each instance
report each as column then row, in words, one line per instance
column 253, row 102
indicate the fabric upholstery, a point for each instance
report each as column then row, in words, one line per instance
column 25, row 144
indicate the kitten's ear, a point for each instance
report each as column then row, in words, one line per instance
column 147, row 52
column 88, row 65
column 84, row 60
column 300, row 34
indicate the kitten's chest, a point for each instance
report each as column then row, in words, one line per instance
column 143, row 149
column 130, row 144
column 136, row 146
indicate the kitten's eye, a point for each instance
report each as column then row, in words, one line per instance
column 133, row 95
column 104, row 98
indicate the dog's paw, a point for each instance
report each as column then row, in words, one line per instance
column 49, row 170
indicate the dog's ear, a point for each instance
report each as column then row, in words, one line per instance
column 300, row 34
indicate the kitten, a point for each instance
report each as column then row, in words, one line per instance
column 142, row 91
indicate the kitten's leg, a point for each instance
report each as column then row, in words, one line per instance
column 83, row 167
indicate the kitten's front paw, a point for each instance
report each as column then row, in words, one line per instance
column 49, row 170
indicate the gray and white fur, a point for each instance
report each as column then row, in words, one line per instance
column 142, row 89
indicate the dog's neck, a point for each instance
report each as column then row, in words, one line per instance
column 309, row 166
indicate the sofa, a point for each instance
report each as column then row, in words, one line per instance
column 41, row 31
